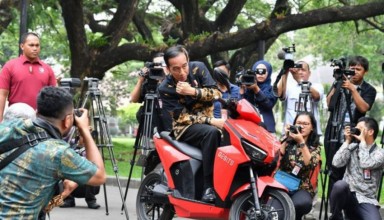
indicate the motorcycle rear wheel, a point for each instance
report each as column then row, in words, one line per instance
column 147, row 210
column 275, row 205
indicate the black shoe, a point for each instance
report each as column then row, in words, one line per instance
column 68, row 204
column 93, row 205
column 209, row 196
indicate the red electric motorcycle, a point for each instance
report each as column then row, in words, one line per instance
column 242, row 176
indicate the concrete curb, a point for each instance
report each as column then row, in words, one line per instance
column 112, row 181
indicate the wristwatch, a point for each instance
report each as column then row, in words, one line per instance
column 301, row 145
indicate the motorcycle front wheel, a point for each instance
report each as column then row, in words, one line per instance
column 145, row 208
column 275, row 205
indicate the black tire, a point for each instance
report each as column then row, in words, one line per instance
column 147, row 210
column 275, row 205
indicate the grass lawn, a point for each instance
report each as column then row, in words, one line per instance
column 123, row 150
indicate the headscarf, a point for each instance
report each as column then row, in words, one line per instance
column 221, row 77
column 266, row 85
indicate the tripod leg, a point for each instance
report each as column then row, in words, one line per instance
column 132, row 162
column 105, row 187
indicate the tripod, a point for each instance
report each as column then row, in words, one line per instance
column 144, row 134
column 332, row 134
column 101, row 133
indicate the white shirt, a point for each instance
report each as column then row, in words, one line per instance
column 291, row 100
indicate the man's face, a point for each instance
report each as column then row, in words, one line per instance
column 178, row 67
column 301, row 74
column 31, row 47
column 359, row 74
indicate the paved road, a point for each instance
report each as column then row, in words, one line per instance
column 114, row 200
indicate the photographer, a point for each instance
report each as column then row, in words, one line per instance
column 355, row 97
column 290, row 94
column 29, row 179
column 260, row 93
column 356, row 193
column 139, row 91
column 300, row 156
column 85, row 191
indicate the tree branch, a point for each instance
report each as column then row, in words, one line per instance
column 268, row 29
column 119, row 23
column 228, row 15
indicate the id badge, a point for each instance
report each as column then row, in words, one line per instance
column 367, row 174
column 296, row 170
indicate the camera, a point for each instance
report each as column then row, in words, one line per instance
column 77, row 112
column 305, row 86
column 294, row 128
column 70, row 84
column 245, row 77
column 298, row 65
column 155, row 72
column 341, row 70
column 355, row 131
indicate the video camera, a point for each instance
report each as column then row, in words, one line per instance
column 155, row 72
column 245, row 77
column 286, row 54
column 341, row 68
column 70, row 84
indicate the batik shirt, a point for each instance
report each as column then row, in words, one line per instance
column 293, row 157
column 28, row 182
column 188, row 110
column 358, row 158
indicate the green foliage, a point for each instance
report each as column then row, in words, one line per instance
column 127, row 114
column 96, row 40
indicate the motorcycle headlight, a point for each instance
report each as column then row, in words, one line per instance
column 253, row 151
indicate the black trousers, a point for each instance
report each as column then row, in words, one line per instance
column 88, row 194
column 342, row 198
column 302, row 200
column 207, row 138
column 335, row 173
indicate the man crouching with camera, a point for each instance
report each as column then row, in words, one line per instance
column 364, row 162
column 28, row 182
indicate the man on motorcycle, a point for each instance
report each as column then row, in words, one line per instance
column 187, row 93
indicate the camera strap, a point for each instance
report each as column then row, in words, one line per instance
column 23, row 144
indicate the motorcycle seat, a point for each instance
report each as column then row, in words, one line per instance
column 182, row 146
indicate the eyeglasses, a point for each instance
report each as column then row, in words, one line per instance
column 260, row 71
column 303, row 123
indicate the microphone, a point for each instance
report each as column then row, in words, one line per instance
column 281, row 55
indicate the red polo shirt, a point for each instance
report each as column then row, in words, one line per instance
column 24, row 79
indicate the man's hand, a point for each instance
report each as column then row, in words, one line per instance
column 82, row 122
column 218, row 122
column 347, row 134
column 184, row 88
column 68, row 187
column 362, row 135
column 347, row 84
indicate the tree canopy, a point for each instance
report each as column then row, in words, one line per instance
column 99, row 35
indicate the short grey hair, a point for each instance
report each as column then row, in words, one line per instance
column 19, row 110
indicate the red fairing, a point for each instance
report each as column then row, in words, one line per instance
column 226, row 162
column 247, row 111
column 168, row 156
column 254, row 134
column 191, row 209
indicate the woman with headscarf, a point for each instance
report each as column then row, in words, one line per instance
column 260, row 93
